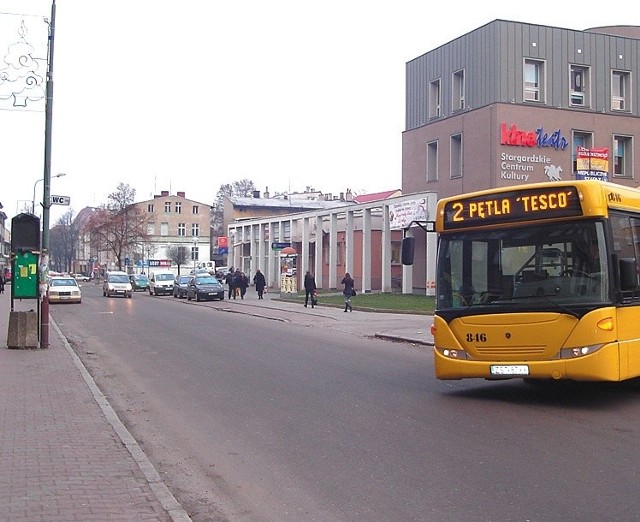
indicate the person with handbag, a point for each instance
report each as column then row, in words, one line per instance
column 348, row 292
column 309, row 289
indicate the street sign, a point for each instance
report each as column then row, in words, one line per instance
column 60, row 200
column 279, row 246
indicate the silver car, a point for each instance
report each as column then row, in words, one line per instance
column 117, row 283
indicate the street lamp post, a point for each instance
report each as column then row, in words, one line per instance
column 46, row 204
column 33, row 201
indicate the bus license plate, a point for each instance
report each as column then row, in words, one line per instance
column 510, row 369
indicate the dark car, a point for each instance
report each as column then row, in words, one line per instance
column 181, row 285
column 203, row 287
column 139, row 282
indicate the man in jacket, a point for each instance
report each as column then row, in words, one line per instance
column 309, row 289
column 230, row 280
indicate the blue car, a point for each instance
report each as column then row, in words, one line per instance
column 181, row 286
column 139, row 282
column 204, row 287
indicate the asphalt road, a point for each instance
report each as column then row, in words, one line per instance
column 252, row 418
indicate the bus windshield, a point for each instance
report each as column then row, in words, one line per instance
column 555, row 266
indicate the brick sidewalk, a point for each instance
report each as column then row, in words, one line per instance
column 64, row 454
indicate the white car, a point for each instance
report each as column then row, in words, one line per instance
column 117, row 283
column 64, row 290
column 80, row 277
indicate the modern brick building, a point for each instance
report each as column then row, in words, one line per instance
column 510, row 103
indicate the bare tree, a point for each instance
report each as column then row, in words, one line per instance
column 177, row 254
column 240, row 188
column 63, row 241
column 119, row 225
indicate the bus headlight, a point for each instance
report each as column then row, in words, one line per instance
column 452, row 353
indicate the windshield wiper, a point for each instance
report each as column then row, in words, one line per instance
column 546, row 298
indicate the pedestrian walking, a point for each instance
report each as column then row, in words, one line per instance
column 242, row 282
column 260, row 283
column 1, row 281
column 229, row 279
column 309, row 289
column 348, row 292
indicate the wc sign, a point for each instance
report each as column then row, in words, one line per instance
column 60, row 200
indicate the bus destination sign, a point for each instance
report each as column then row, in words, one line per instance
column 510, row 207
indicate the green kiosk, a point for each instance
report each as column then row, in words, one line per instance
column 24, row 326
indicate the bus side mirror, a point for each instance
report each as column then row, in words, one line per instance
column 408, row 247
column 628, row 274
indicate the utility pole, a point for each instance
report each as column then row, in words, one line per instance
column 46, row 197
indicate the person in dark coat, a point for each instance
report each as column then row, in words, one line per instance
column 347, row 293
column 260, row 283
column 230, row 280
column 1, row 281
column 242, row 282
column 309, row 289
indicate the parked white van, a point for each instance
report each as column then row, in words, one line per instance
column 116, row 283
column 161, row 282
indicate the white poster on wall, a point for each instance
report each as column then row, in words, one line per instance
column 402, row 214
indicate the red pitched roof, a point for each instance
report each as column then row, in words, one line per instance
column 377, row 196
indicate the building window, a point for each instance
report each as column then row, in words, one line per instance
column 533, row 80
column 579, row 94
column 195, row 229
column 456, row 156
column 580, row 139
column 622, row 157
column 178, row 207
column 196, row 210
column 396, row 249
column 150, row 207
column 432, row 161
column 194, row 253
column 620, row 89
column 457, row 96
column 167, row 206
column 286, row 231
column 435, row 99
column 164, row 229
column 182, row 229
column 151, row 229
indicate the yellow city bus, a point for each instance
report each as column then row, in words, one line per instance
column 539, row 282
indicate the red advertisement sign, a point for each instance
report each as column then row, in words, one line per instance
column 223, row 245
column 592, row 163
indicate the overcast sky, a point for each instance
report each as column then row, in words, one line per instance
column 187, row 95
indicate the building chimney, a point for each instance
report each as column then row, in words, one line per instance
column 341, row 196
column 266, row 192
column 164, row 193
column 180, row 194
column 256, row 194
column 349, row 195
